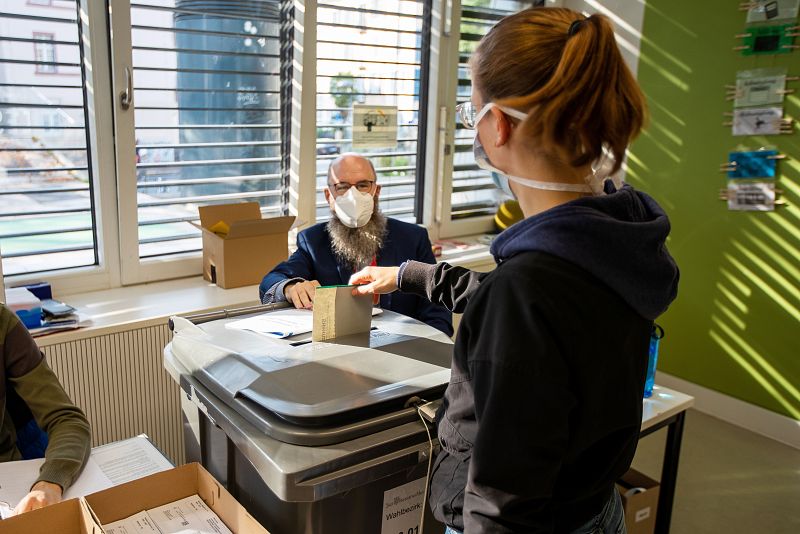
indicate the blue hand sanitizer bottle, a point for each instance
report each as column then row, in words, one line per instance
column 652, row 358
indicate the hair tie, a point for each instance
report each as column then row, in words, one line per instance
column 574, row 27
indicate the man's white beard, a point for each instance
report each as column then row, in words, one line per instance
column 356, row 247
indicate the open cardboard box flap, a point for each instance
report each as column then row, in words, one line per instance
column 68, row 517
column 230, row 213
column 155, row 490
column 273, row 225
column 244, row 220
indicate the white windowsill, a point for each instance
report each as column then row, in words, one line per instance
column 144, row 305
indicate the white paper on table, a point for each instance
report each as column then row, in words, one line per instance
column 16, row 479
column 128, row 460
column 140, row 523
column 187, row 516
column 108, row 465
column 282, row 323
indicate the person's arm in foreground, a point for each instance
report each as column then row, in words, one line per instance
column 68, row 431
column 442, row 283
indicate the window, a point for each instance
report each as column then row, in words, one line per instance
column 473, row 193
column 374, row 56
column 206, row 85
column 103, row 167
column 47, row 212
column 44, row 52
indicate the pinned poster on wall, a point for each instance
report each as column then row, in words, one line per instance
column 752, row 164
column 771, row 10
column 751, row 196
column 759, row 87
column 374, row 126
column 759, row 121
column 767, row 40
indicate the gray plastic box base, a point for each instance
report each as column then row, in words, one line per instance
column 358, row 511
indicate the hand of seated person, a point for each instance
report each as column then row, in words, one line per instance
column 378, row 280
column 301, row 294
column 42, row 494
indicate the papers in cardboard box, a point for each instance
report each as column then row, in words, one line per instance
column 186, row 516
column 155, row 491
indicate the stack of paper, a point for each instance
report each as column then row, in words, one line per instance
column 186, row 516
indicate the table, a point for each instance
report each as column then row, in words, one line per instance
column 666, row 408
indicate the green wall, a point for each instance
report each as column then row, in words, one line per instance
column 735, row 326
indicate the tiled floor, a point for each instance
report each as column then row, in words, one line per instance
column 730, row 480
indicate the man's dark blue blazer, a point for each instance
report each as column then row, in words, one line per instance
column 314, row 260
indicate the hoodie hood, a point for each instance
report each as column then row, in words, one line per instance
column 619, row 238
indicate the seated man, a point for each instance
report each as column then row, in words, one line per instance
column 28, row 388
column 357, row 235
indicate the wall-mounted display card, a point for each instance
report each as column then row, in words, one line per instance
column 751, row 196
column 757, row 121
column 759, row 87
column 374, row 126
column 764, row 40
column 753, row 164
column 772, row 10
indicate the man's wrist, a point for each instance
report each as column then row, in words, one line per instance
column 278, row 291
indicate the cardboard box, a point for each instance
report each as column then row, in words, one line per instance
column 640, row 501
column 155, row 490
column 67, row 517
column 251, row 248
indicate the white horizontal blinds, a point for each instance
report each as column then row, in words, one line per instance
column 46, row 206
column 371, row 53
column 207, row 113
column 473, row 193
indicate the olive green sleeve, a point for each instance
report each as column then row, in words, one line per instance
column 68, row 431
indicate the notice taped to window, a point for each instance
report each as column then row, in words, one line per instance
column 402, row 508
column 374, row 126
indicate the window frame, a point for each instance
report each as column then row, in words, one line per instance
column 134, row 269
column 112, row 138
column 40, row 39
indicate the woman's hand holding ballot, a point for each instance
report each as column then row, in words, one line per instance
column 378, row 280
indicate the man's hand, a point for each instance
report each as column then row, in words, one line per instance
column 301, row 294
column 378, row 280
column 42, row 494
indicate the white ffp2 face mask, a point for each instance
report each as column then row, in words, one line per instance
column 595, row 181
column 354, row 208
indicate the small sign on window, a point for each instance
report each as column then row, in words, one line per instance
column 374, row 126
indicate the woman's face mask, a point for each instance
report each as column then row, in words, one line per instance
column 354, row 208
column 594, row 182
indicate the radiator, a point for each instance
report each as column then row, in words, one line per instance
column 120, row 383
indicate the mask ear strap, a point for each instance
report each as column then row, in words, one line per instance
column 482, row 113
column 601, row 172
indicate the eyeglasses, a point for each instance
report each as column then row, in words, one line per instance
column 470, row 116
column 364, row 186
column 467, row 113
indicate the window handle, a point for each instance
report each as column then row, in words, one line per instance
column 126, row 96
